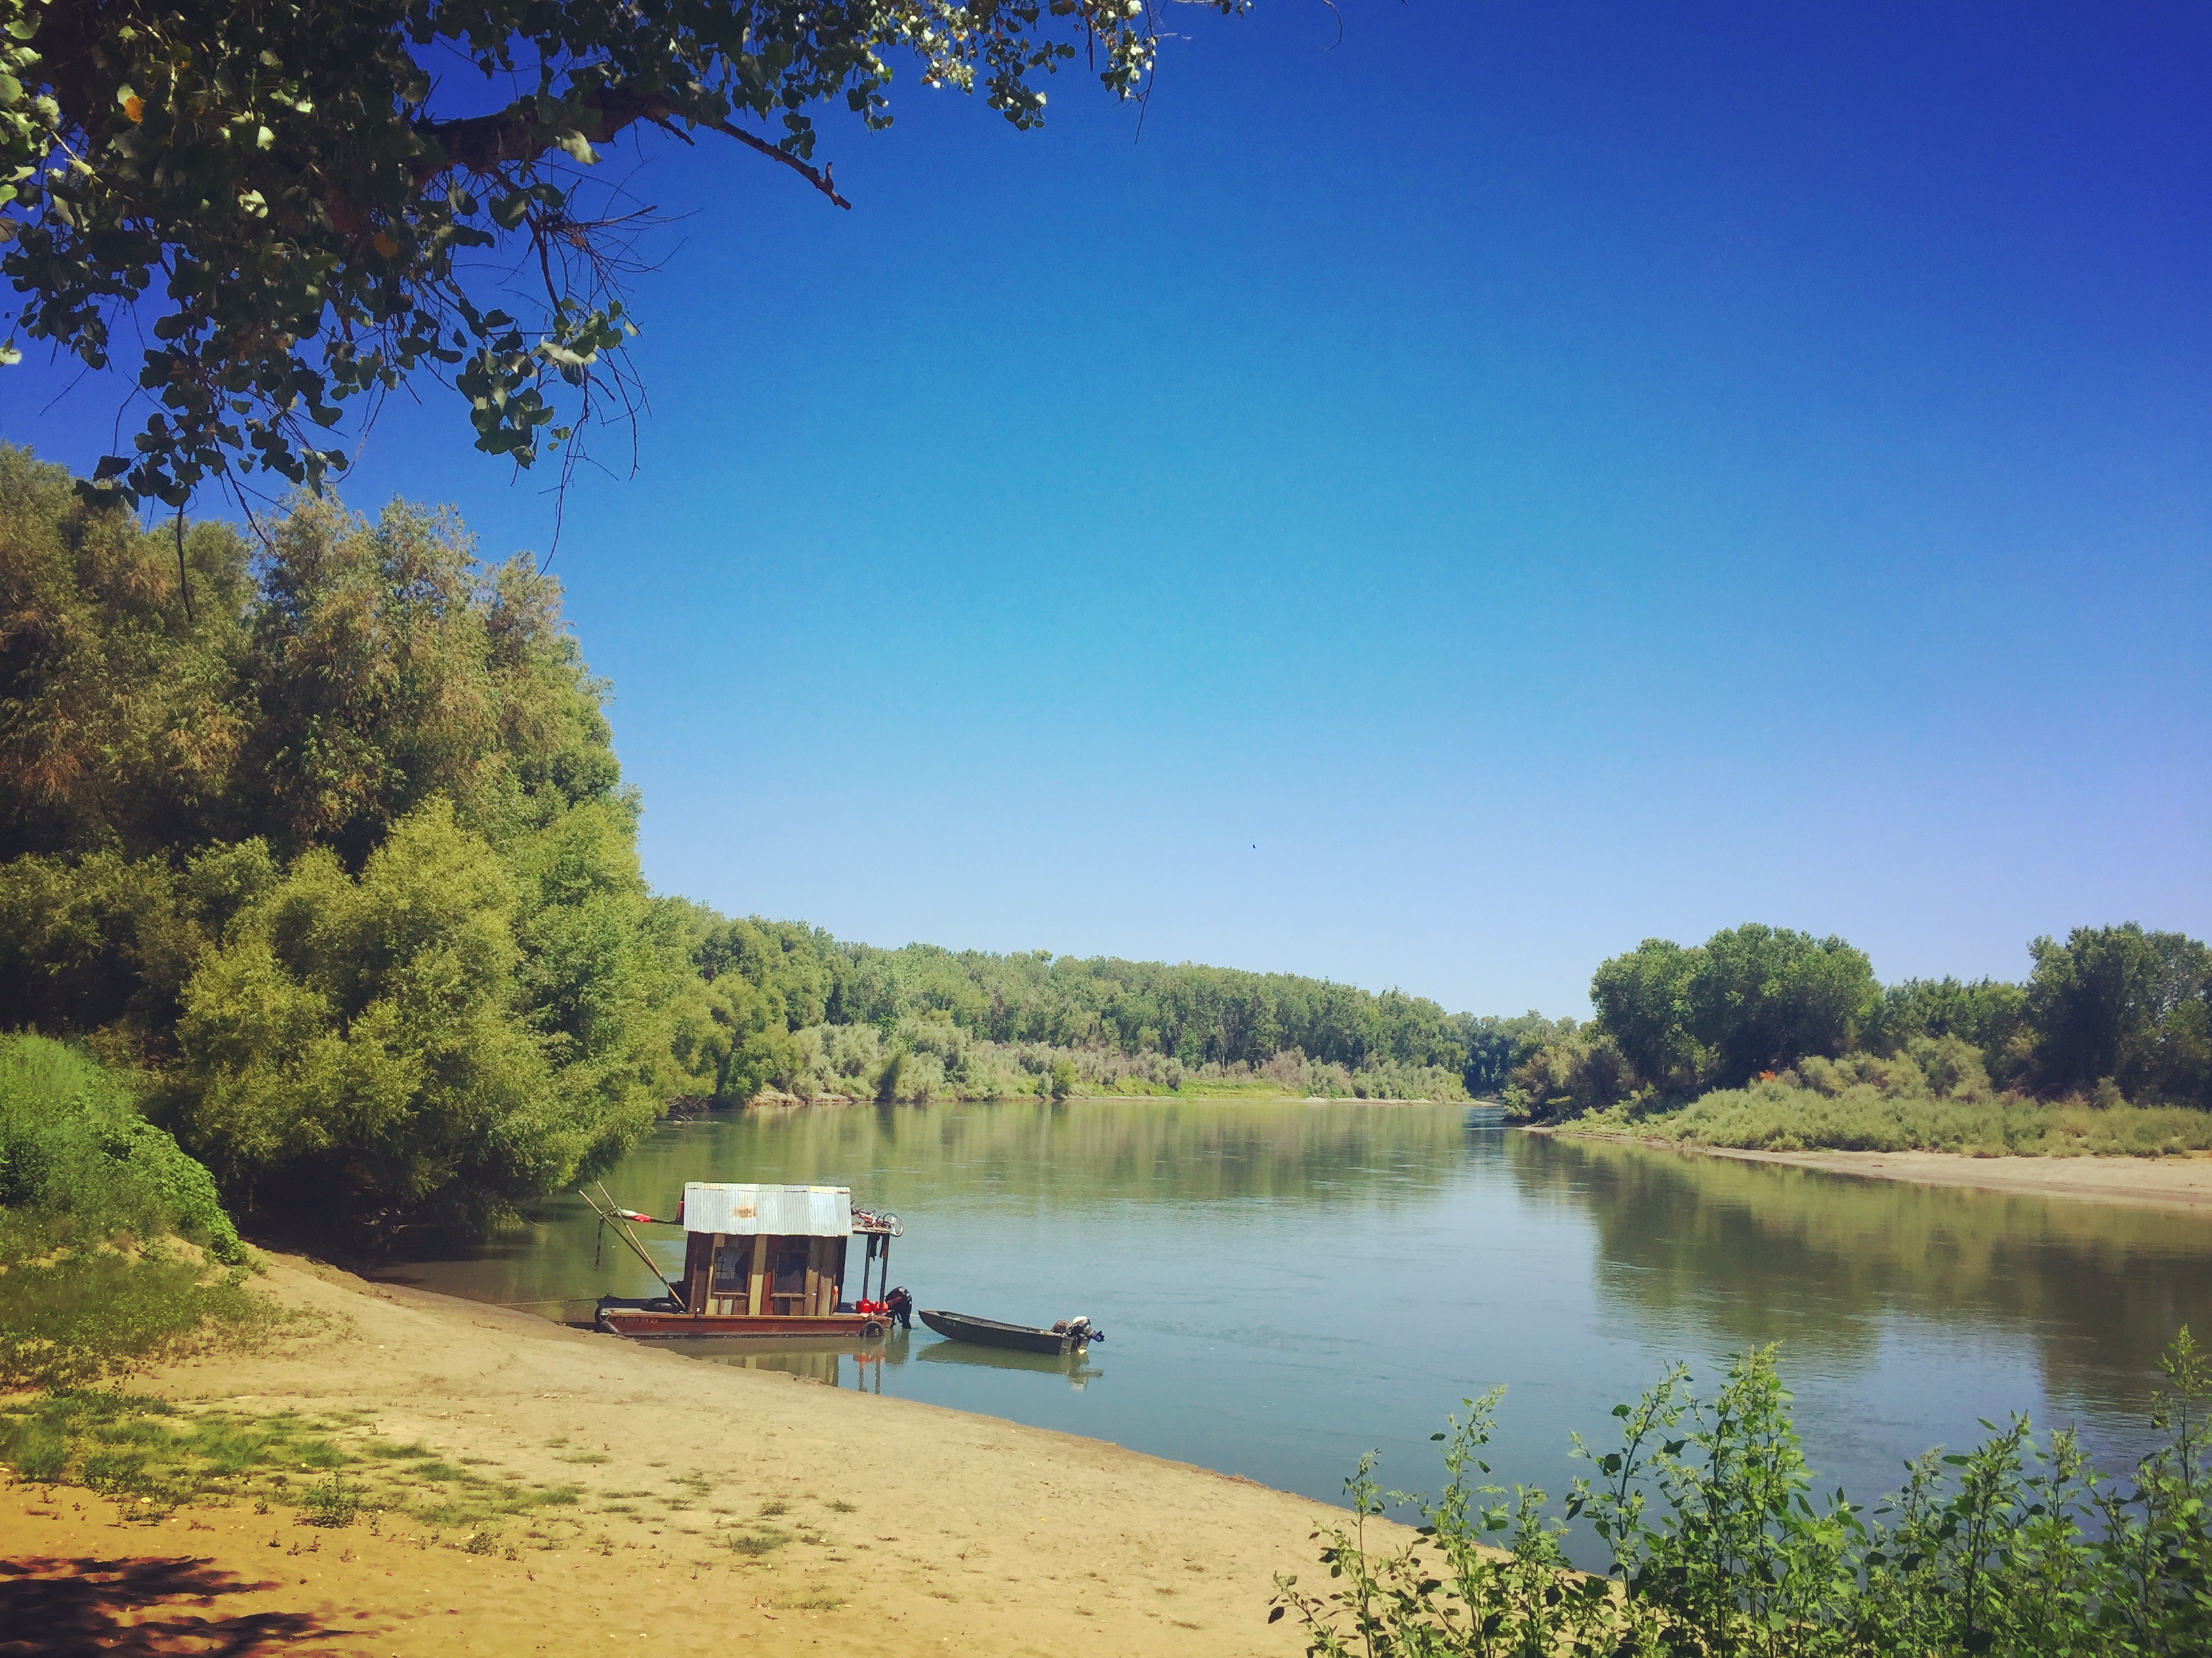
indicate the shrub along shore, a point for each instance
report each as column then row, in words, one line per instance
column 1784, row 1114
column 1723, row 1543
column 1764, row 1038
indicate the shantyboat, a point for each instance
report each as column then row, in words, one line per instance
column 761, row 1260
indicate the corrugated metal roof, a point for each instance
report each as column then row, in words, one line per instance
column 782, row 1211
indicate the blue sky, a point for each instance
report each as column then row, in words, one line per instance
column 1440, row 508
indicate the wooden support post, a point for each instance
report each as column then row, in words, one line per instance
column 702, row 1279
column 757, row 1278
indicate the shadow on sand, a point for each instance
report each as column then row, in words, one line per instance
column 133, row 1608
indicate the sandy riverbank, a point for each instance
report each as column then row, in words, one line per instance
column 963, row 1533
column 2179, row 1182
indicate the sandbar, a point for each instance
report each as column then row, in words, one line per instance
column 2178, row 1181
column 951, row 1532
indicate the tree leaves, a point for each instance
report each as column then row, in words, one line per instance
column 343, row 257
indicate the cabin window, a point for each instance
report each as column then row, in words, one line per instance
column 732, row 1264
column 791, row 1271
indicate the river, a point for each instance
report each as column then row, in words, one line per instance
column 1285, row 1286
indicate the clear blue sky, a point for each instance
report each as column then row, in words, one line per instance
column 1441, row 508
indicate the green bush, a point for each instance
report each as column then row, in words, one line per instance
column 74, row 1148
column 1719, row 1546
column 71, row 1310
column 1832, row 1109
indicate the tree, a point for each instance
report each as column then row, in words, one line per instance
column 1763, row 998
column 341, row 859
column 1748, row 999
column 304, row 202
column 1494, row 1045
column 1578, row 1073
column 2124, row 1004
column 1642, row 1000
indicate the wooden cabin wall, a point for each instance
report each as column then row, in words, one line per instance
column 823, row 1290
column 698, row 1263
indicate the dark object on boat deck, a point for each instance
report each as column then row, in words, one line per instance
column 1022, row 1338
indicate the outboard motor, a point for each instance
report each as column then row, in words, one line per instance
column 1079, row 1327
column 899, row 1305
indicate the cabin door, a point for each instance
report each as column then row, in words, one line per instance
column 733, row 1259
column 787, row 1277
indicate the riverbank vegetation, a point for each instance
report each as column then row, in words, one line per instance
column 1763, row 1037
column 114, row 1247
column 319, row 840
column 918, row 1060
column 1784, row 1115
column 779, row 1006
column 331, row 1469
column 1721, row 1543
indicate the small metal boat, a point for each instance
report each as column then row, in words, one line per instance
column 1068, row 1334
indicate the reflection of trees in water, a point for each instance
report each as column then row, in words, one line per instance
column 1735, row 1246
column 1156, row 1151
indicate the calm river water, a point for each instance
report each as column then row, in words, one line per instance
column 1285, row 1286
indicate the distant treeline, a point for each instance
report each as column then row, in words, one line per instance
column 317, row 839
column 2109, row 1015
column 763, row 984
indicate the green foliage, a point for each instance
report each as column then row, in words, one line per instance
column 1059, row 1081
column 762, row 1539
column 74, row 1307
column 2114, row 1008
column 1720, row 1548
column 303, row 202
column 1989, row 1015
column 369, row 1040
column 92, row 1198
column 329, row 1470
column 343, row 861
column 1643, row 1001
column 333, row 1503
column 2124, row 1004
column 1495, row 1046
column 1864, row 1103
column 1571, row 1076
column 74, row 1151
column 1749, row 999
column 764, row 980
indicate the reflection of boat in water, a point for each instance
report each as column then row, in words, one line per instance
column 826, row 1360
column 1067, row 1335
column 1074, row 1364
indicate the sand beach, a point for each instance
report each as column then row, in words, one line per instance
column 914, row 1528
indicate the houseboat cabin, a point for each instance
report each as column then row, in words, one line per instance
column 767, row 1261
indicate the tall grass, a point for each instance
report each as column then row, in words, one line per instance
column 330, row 1468
column 1784, row 1115
column 1724, row 1546
column 73, row 1310
column 74, row 1149
column 107, row 1229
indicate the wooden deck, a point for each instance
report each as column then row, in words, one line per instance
column 670, row 1327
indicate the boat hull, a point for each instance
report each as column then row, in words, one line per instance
column 642, row 1326
column 990, row 1332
